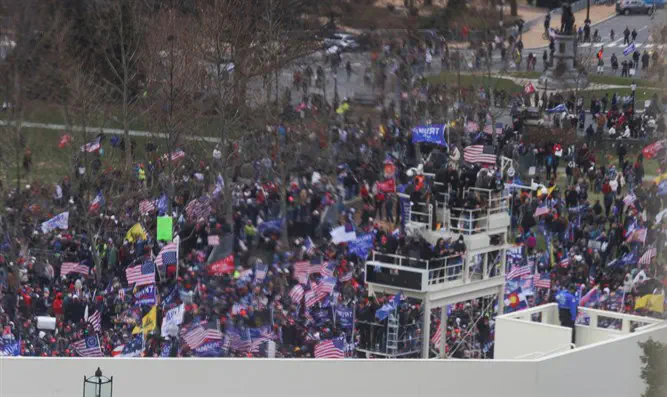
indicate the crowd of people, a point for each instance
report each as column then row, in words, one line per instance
column 162, row 262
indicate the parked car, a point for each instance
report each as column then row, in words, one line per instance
column 628, row 7
column 343, row 41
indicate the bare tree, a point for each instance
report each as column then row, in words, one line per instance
column 121, row 31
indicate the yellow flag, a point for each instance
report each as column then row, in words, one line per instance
column 136, row 232
column 550, row 190
column 148, row 323
column 651, row 302
column 660, row 178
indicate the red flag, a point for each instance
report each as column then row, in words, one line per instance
column 388, row 186
column 529, row 88
column 223, row 266
column 64, row 140
column 653, row 149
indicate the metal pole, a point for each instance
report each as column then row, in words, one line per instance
column 426, row 340
column 588, row 11
column 443, row 331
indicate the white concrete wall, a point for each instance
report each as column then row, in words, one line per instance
column 28, row 377
column 520, row 338
column 610, row 368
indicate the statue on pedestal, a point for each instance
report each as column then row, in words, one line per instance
column 567, row 20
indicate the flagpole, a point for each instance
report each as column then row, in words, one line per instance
column 177, row 240
column 354, row 315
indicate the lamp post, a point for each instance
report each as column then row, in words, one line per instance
column 97, row 385
column 588, row 12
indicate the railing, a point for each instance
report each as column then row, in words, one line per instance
column 476, row 220
column 399, row 260
column 445, row 269
column 424, row 215
column 373, row 339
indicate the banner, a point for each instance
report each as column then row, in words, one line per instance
column 434, row 133
column 344, row 316
column 405, row 210
column 165, row 226
column 172, row 319
column 652, row 150
column 362, row 245
column 322, row 316
column 273, row 225
column 209, row 349
column 222, row 266
column 145, row 296
column 388, row 186
column 60, row 221
column 343, row 234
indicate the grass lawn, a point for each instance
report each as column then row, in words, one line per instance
column 50, row 163
column 594, row 78
column 475, row 80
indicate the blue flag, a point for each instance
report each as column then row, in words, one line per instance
column 11, row 349
column 434, row 133
column 162, row 205
column 558, row 109
column 344, row 317
column 145, row 296
column 362, row 246
column 388, row 307
column 135, row 347
column 273, row 225
column 629, row 49
column 209, row 349
column 165, row 349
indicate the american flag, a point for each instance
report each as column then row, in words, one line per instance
column 146, row 207
column 194, row 337
column 647, row 256
column 176, row 155
column 629, row 199
column 198, row 208
column 639, row 235
column 96, row 321
column 88, row 347
column 347, row 276
column 311, row 298
column 73, row 267
column 564, row 261
column 260, row 271
column 240, row 340
column 91, row 146
column 97, row 203
column 327, row 269
column 543, row 210
column 325, row 287
column 167, row 256
column 142, row 274
column 517, row 272
column 303, row 269
column 259, row 336
column 332, row 348
column 489, row 130
column 479, row 154
column 310, row 247
column 296, row 294
column 213, row 240
column 542, row 280
column 437, row 336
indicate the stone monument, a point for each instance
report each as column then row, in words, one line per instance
column 564, row 73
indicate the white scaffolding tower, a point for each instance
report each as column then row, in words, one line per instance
column 438, row 282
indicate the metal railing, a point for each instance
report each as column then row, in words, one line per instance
column 441, row 270
column 423, row 215
column 373, row 339
column 476, row 220
column 445, row 269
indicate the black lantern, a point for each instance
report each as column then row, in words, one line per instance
column 97, row 385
